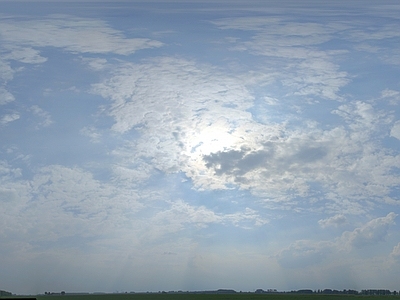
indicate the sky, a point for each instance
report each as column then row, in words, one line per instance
column 198, row 145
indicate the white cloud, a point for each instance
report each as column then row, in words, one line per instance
column 5, row 96
column 43, row 115
column 304, row 68
column 9, row 118
column 60, row 202
column 194, row 119
column 396, row 251
column 6, row 72
column 8, row 172
column 180, row 214
column 96, row 64
column 371, row 233
column 387, row 93
column 380, row 32
column 25, row 55
column 335, row 221
column 180, row 110
column 66, row 210
column 395, row 131
column 307, row 253
column 92, row 133
column 73, row 34
column 362, row 117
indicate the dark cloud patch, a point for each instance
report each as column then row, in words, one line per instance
column 237, row 162
column 224, row 162
column 240, row 162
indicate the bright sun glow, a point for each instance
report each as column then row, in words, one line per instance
column 211, row 139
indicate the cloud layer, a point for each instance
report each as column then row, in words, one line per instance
column 220, row 147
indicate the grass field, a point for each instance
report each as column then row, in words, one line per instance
column 188, row 296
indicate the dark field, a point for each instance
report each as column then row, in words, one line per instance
column 191, row 296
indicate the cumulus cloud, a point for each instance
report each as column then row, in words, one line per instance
column 373, row 232
column 335, row 221
column 306, row 253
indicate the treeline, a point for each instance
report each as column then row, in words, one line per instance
column 374, row 292
column 5, row 293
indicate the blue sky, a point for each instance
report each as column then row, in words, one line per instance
column 189, row 146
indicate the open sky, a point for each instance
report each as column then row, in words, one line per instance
column 197, row 145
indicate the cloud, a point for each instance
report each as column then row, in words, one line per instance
column 396, row 251
column 61, row 202
column 395, row 131
column 5, row 96
column 304, row 68
column 221, row 165
column 236, row 162
column 69, row 206
column 92, row 133
column 8, row 172
column 25, row 55
column 96, row 64
column 371, row 233
column 43, row 115
column 178, row 110
column 74, row 34
column 307, row 253
column 335, row 221
column 362, row 116
column 5, row 119
column 180, row 214
column 303, row 253
column 377, row 33
column 392, row 95
column 6, row 72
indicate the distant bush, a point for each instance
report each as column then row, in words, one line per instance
column 5, row 293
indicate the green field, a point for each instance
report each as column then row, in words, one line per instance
column 189, row 296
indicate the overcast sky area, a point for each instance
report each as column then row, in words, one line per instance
column 201, row 145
